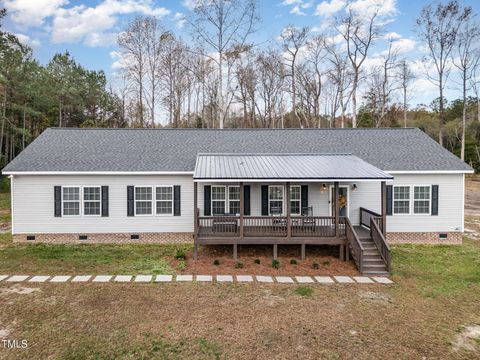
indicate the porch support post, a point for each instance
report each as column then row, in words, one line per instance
column 275, row 251
column 302, row 252
column 384, row 208
column 337, row 230
column 289, row 225
column 195, row 220
column 242, row 209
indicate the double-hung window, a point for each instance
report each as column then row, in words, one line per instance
column 275, row 200
column 92, row 200
column 234, row 199
column 421, row 199
column 164, row 200
column 71, row 201
column 295, row 200
column 219, row 198
column 143, row 200
column 401, row 200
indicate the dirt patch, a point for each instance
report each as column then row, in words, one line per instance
column 468, row 339
column 375, row 296
column 472, row 195
column 257, row 260
column 17, row 289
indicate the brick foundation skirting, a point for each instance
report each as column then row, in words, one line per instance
column 424, row 238
column 98, row 238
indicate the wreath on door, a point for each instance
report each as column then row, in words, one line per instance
column 342, row 201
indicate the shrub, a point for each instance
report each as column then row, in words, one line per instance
column 275, row 264
column 304, row 291
column 315, row 266
column 182, row 265
column 326, row 262
column 180, row 254
column 293, row 261
column 257, row 261
column 216, row 262
column 239, row 265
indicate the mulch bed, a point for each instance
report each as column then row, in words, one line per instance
column 326, row 257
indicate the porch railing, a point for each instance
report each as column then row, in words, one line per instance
column 269, row 226
column 367, row 215
column 355, row 244
column 380, row 243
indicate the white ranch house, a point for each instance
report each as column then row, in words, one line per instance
column 358, row 189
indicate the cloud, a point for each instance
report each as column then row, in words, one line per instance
column 392, row 36
column 190, row 4
column 328, row 8
column 385, row 8
column 93, row 25
column 297, row 6
column 29, row 13
column 179, row 20
column 27, row 40
column 403, row 46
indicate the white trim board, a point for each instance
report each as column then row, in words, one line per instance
column 408, row 172
column 98, row 173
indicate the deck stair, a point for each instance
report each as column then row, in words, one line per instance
column 373, row 263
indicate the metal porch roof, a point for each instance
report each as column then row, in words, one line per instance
column 306, row 167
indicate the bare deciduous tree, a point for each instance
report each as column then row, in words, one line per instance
column 438, row 27
column 359, row 31
column 220, row 25
column 405, row 77
column 465, row 57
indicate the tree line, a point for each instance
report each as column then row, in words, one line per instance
column 220, row 78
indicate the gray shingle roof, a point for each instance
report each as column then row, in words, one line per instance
column 285, row 166
column 70, row 149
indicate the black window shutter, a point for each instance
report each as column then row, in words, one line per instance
column 105, row 201
column 130, row 201
column 389, row 199
column 434, row 200
column 207, row 191
column 176, row 200
column 264, row 200
column 246, row 200
column 58, row 201
column 304, row 197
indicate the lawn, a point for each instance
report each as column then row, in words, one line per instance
column 425, row 314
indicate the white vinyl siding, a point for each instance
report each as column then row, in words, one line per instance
column 33, row 198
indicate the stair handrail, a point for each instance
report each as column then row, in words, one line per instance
column 380, row 243
column 355, row 244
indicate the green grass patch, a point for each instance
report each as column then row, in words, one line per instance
column 5, row 208
column 439, row 269
column 86, row 258
column 304, row 291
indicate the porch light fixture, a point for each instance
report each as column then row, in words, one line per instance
column 354, row 187
column 324, row 187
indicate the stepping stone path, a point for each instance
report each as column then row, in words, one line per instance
column 200, row 278
column 184, row 278
column 163, row 278
column 39, row 278
column 382, row 280
column 204, row 278
column 244, row 278
column 17, row 278
column 344, row 279
column 304, row 279
column 363, row 279
column 60, row 279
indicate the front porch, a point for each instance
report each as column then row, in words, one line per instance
column 267, row 211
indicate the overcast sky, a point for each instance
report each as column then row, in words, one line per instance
column 88, row 29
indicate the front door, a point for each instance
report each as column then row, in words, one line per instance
column 342, row 200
